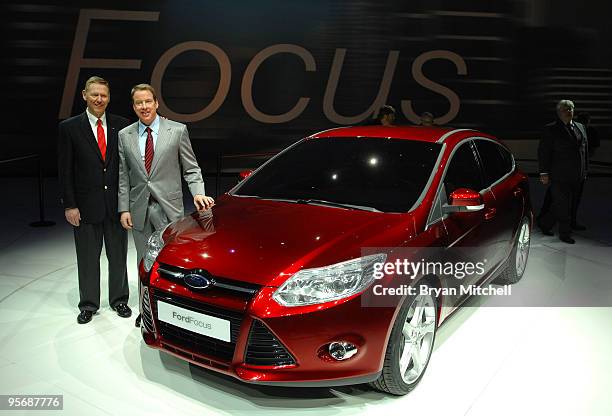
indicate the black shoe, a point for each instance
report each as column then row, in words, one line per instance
column 578, row 227
column 123, row 310
column 137, row 323
column 567, row 239
column 545, row 231
column 84, row 317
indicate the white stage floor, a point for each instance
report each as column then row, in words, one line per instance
column 487, row 360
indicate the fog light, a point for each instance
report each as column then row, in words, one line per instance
column 342, row 350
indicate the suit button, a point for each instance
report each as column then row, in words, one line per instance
column 105, row 187
column 104, row 169
column 149, row 182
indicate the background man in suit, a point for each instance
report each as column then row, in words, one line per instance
column 153, row 153
column 563, row 160
column 88, row 171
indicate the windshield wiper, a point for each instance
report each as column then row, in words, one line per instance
column 322, row 202
column 266, row 198
column 312, row 201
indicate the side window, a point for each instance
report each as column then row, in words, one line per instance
column 496, row 160
column 508, row 158
column 463, row 171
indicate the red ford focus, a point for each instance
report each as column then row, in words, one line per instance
column 295, row 277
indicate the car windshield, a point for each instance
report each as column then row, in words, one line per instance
column 372, row 174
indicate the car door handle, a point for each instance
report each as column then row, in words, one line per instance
column 518, row 192
column 490, row 213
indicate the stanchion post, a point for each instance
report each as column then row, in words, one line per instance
column 41, row 199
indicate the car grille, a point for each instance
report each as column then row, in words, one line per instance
column 146, row 313
column 226, row 286
column 265, row 349
column 200, row 344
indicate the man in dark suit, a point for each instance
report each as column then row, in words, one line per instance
column 89, row 174
column 563, row 160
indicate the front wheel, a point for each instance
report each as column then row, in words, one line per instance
column 410, row 345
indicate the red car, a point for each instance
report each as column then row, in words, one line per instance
column 285, row 281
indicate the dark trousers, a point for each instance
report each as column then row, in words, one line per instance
column 564, row 200
column 547, row 204
column 88, row 241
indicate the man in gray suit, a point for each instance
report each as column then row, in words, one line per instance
column 153, row 153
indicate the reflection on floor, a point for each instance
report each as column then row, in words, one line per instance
column 528, row 360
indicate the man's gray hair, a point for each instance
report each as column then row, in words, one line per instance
column 565, row 104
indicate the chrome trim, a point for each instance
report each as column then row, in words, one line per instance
column 450, row 133
column 176, row 275
column 475, row 207
column 235, row 288
column 213, row 281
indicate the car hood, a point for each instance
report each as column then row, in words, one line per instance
column 264, row 242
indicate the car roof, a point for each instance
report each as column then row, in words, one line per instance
column 426, row 134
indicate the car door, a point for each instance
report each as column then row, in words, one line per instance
column 468, row 236
column 498, row 165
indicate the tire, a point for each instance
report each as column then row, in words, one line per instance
column 415, row 328
column 517, row 262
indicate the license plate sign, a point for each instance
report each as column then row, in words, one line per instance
column 197, row 322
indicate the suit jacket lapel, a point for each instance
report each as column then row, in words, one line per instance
column 132, row 136
column 111, row 140
column 581, row 132
column 89, row 136
column 163, row 135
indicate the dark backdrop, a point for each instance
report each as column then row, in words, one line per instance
column 519, row 58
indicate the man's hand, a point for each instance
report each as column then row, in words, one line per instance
column 203, row 202
column 545, row 179
column 126, row 220
column 73, row 216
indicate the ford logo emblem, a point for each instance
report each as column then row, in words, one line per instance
column 197, row 281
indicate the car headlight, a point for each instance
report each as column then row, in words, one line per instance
column 325, row 284
column 154, row 246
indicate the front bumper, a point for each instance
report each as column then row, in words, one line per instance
column 269, row 344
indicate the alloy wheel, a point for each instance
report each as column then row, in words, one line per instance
column 417, row 336
column 522, row 248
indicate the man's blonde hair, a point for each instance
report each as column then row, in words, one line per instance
column 96, row 80
column 143, row 87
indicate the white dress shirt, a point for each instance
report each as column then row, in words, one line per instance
column 93, row 122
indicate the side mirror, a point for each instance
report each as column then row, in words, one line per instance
column 245, row 174
column 463, row 200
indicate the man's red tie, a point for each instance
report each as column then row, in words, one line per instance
column 149, row 150
column 101, row 139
